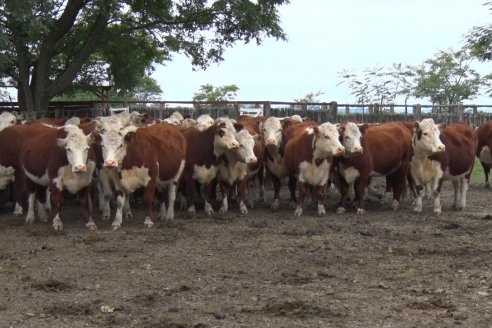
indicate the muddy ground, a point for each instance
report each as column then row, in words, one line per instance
column 264, row 269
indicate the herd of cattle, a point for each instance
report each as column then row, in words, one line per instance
column 116, row 155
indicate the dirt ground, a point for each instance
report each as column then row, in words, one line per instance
column 264, row 269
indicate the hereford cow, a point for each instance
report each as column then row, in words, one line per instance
column 484, row 149
column 204, row 151
column 442, row 153
column 234, row 168
column 273, row 131
column 8, row 119
column 309, row 155
column 386, row 151
column 150, row 157
column 59, row 158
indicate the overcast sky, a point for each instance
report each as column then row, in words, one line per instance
column 325, row 37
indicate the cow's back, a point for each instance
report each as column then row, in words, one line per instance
column 461, row 144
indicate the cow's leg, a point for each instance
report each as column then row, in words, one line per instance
column 241, row 189
column 276, row 189
column 127, row 210
column 41, row 193
column 18, row 191
column 292, row 188
column 48, row 201
column 171, row 195
column 303, row 188
column 320, row 193
column 345, row 195
column 486, row 171
column 360, row 185
column 30, row 218
column 437, row 196
column 105, row 193
column 397, row 183
column 148, row 198
column 190, row 195
column 224, row 187
column 84, row 201
column 209, row 192
column 465, row 182
column 58, row 201
column 118, row 217
column 261, row 182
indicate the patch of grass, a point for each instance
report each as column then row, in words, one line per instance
column 477, row 173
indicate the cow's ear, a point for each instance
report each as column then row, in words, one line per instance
column 442, row 126
column 130, row 136
column 363, row 128
column 316, row 131
column 94, row 138
column 260, row 126
column 97, row 125
column 61, row 142
column 238, row 127
column 416, row 126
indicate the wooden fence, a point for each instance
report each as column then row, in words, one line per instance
column 321, row 112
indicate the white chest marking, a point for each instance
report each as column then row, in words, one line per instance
column 314, row 175
column 233, row 172
column 6, row 176
column 277, row 166
column 134, row 178
column 203, row 175
column 349, row 173
column 485, row 155
column 426, row 170
column 73, row 182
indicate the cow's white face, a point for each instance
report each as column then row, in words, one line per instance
column 188, row 122
column 76, row 145
column 272, row 132
column 326, row 141
column 224, row 136
column 351, row 137
column 7, row 119
column 109, row 123
column 426, row 137
column 245, row 152
column 204, row 121
column 113, row 146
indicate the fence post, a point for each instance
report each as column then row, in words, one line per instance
column 266, row 108
column 392, row 109
column 347, row 110
column 417, row 110
column 334, row 111
column 460, row 109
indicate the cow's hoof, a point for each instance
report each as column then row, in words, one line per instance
column 360, row 211
column 437, row 212
column 298, row 211
column 148, row 225
column 321, row 211
column 275, row 205
column 340, row 210
column 115, row 226
column 222, row 210
column 243, row 209
column 91, row 226
column 30, row 220
column 18, row 210
column 396, row 205
column 58, row 226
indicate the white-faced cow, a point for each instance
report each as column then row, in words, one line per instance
column 386, row 151
column 484, row 150
column 150, row 157
column 202, row 158
column 61, row 158
column 8, row 119
column 309, row 153
column 444, row 152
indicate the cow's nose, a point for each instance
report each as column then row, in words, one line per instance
column 358, row 149
column 110, row 163
column 79, row 168
column 234, row 145
column 441, row 148
column 271, row 142
column 340, row 149
column 252, row 159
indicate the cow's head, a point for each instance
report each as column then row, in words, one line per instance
column 114, row 144
column 224, row 136
column 7, row 119
column 272, row 132
column 76, row 145
column 176, row 118
column 245, row 152
column 326, row 141
column 204, row 121
column 104, row 124
column 351, row 136
column 426, row 137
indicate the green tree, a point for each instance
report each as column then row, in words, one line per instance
column 49, row 47
column 311, row 97
column 447, row 78
column 208, row 92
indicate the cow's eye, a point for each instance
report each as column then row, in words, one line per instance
column 327, row 137
column 346, row 137
column 120, row 146
column 425, row 134
column 69, row 150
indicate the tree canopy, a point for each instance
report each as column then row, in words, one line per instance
column 208, row 92
column 50, row 47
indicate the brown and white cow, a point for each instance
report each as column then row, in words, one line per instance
column 273, row 131
column 205, row 147
column 59, row 158
column 150, row 157
column 386, row 151
column 309, row 155
column 444, row 152
column 234, row 167
column 484, row 150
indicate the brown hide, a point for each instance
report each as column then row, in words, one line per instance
column 461, row 143
column 387, row 150
column 484, row 134
column 298, row 145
